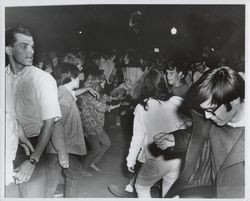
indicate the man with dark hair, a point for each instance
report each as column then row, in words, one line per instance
column 176, row 73
column 36, row 104
column 214, row 163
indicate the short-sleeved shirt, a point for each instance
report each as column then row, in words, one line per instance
column 36, row 99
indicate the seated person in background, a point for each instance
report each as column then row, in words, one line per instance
column 176, row 73
column 215, row 155
column 92, row 114
column 67, row 139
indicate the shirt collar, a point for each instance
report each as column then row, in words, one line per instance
column 20, row 73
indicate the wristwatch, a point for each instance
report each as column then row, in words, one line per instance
column 33, row 161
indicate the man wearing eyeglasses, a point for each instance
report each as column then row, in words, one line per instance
column 214, row 163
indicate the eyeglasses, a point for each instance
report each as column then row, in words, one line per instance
column 213, row 110
column 210, row 111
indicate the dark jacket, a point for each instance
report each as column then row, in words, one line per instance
column 215, row 162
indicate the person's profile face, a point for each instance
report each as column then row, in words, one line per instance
column 23, row 50
column 89, row 81
column 218, row 113
column 81, row 76
column 173, row 77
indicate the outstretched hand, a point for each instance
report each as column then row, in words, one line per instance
column 94, row 93
column 164, row 140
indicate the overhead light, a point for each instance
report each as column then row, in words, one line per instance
column 156, row 49
column 173, row 31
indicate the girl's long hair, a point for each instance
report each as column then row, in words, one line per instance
column 151, row 85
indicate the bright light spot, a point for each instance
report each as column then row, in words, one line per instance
column 173, row 31
column 212, row 49
column 156, row 49
column 80, row 32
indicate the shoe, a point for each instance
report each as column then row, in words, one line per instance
column 58, row 195
column 97, row 169
column 86, row 173
column 120, row 191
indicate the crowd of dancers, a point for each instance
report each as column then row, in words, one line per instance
column 188, row 123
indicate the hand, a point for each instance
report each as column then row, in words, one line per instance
column 112, row 107
column 26, row 149
column 25, row 143
column 121, row 93
column 114, row 92
column 131, row 169
column 164, row 140
column 64, row 160
column 24, row 172
column 94, row 93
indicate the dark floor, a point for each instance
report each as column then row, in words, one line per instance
column 113, row 165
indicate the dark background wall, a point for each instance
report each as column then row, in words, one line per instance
column 106, row 26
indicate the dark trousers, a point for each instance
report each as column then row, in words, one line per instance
column 72, row 176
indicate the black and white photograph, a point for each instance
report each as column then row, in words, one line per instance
column 135, row 99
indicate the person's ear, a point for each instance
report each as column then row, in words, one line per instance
column 235, row 101
column 8, row 50
column 180, row 75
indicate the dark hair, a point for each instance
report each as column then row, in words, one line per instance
column 198, row 59
column 179, row 67
column 64, row 72
column 10, row 34
column 133, row 58
column 151, row 85
column 98, row 78
column 222, row 84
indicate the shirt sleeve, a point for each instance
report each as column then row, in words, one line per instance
column 139, row 134
column 58, row 137
column 176, row 101
column 48, row 96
